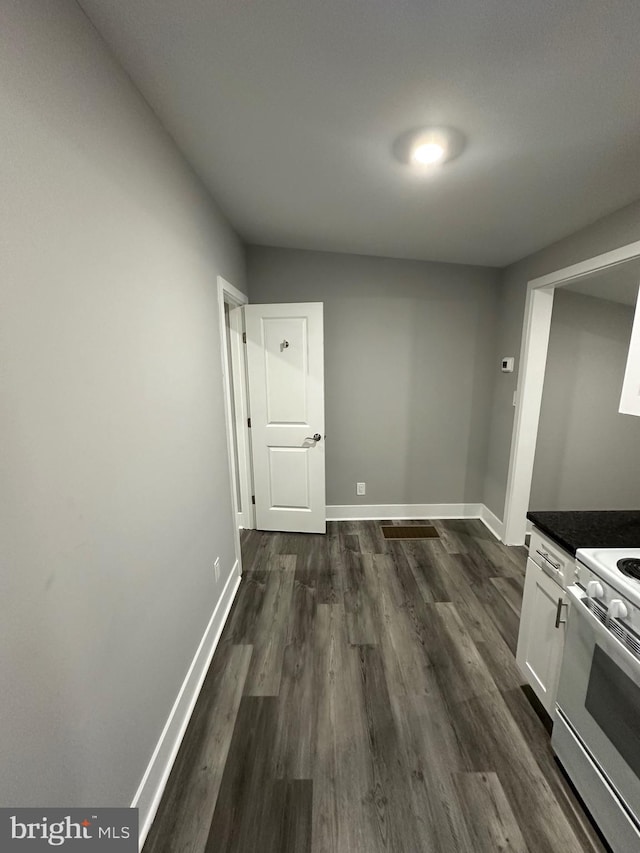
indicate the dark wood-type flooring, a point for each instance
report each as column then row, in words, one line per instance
column 364, row 697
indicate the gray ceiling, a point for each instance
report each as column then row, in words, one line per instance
column 288, row 109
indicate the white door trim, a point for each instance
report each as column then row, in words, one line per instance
column 242, row 413
column 237, row 413
column 533, row 354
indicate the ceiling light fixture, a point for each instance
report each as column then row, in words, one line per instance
column 427, row 153
column 429, row 146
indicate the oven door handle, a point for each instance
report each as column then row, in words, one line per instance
column 578, row 596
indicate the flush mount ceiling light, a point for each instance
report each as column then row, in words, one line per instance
column 429, row 146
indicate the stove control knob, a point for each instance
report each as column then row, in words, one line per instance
column 594, row 589
column 618, row 609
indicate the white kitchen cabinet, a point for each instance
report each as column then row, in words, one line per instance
column 630, row 398
column 542, row 632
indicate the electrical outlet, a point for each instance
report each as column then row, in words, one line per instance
column 361, row 488
column 216, row 569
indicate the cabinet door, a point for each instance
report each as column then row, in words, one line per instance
column 540, row 643
column 630, row 398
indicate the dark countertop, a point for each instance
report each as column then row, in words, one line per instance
column 590, row 528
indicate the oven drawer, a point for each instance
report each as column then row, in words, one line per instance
column 606, row 807
column 552, row 559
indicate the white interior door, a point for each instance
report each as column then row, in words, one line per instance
column 285, row 362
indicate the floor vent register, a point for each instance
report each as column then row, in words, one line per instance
column 409, row 531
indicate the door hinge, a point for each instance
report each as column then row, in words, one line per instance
column 253, row 499
column 244, row 337
column 249, row 422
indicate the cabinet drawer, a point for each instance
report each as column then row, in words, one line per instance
column 552, row 559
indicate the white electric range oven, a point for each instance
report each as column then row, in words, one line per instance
column 596, row 735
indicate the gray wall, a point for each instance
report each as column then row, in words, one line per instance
column 115, row 484
column 609, row 233
column 409, row 371
column 587, row 453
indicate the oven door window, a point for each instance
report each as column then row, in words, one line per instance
column 613, row 700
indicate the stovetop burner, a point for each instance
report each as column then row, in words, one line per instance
column 630, row 566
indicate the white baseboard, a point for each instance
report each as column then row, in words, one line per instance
column 492, row 522
column 150, row 790
column 376, row 512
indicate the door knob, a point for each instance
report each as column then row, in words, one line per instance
column 316, row 437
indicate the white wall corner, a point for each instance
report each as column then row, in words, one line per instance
column 151, row 788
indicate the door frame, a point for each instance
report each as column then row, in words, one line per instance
column 533, row 358
column 236, row 404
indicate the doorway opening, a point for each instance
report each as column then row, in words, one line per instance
column 273, row 356
column 533, row 357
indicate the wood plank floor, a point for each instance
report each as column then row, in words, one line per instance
column 364, row 697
